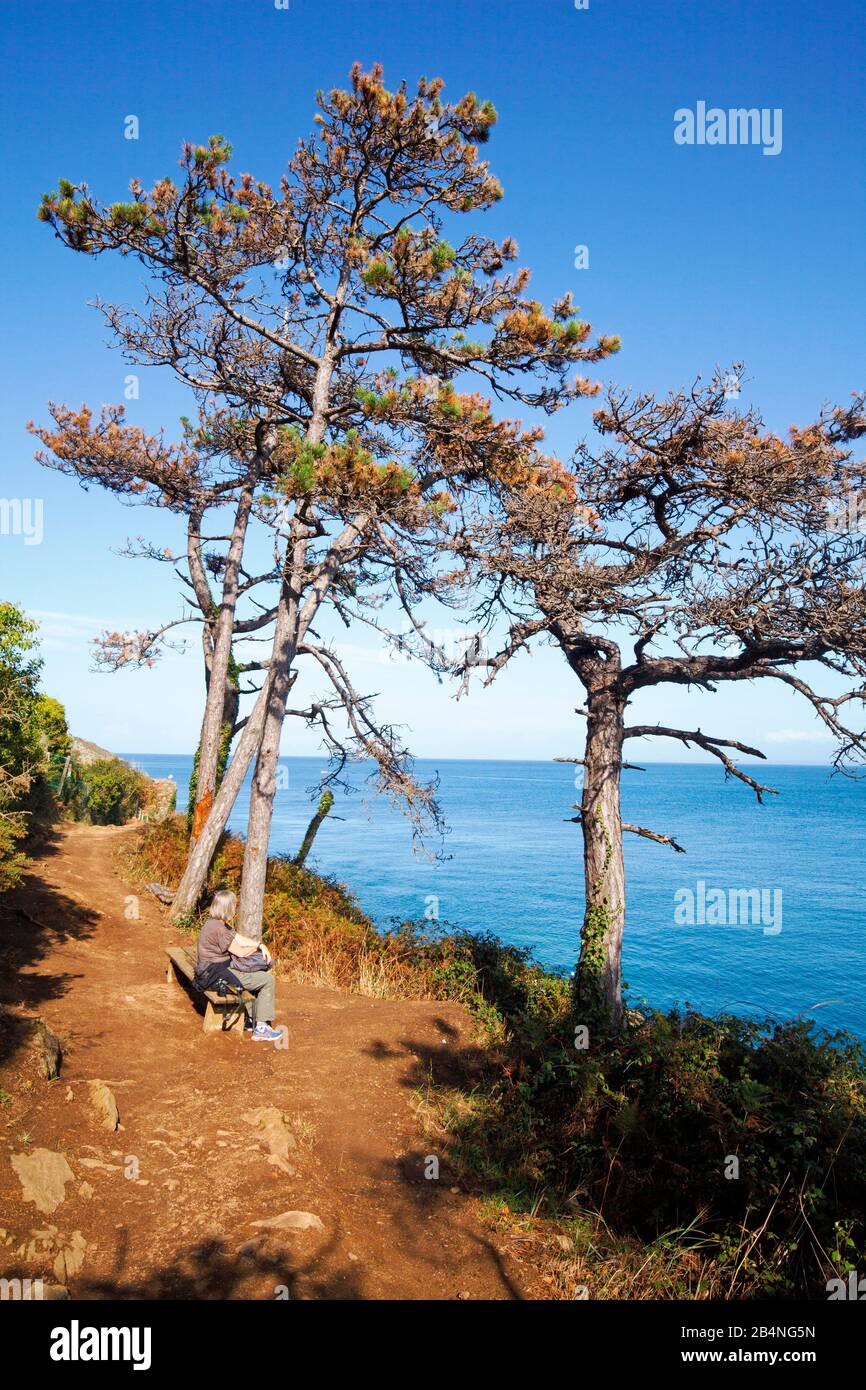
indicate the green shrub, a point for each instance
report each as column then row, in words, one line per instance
column 751, row 1132
column 31, row 727
column 20, row 667
column 13, row 829
column 51, row 726
column 106, row 792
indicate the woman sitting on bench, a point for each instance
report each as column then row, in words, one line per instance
column 223, row 954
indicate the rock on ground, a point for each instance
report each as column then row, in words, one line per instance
column 103, row 1104
column 43, row 1175
column 48, row 1050
column 291, row 1221
column 275, row 1133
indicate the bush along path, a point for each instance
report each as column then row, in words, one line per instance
column 162, row 1162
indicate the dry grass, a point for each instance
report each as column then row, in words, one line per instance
column 582, row 1259
column 579, row 1255
column 302, row 1129
column 313, row 925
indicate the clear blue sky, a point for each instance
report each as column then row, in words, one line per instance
column 698, row 255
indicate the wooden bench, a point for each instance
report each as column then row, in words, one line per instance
column 224, row 1012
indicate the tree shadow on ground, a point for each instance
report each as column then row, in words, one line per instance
column 452, row 1062
column 34, row 919
column 459, row 1066
column 259, row 1269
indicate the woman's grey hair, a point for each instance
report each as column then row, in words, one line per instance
column 224, row 905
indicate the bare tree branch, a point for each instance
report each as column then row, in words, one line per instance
column 712, row 745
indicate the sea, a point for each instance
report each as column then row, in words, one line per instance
column 764, row 914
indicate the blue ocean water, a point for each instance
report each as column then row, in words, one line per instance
column 513, row 867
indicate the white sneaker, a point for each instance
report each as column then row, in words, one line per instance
column 262, row 1033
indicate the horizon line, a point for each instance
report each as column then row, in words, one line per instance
column 432, row 757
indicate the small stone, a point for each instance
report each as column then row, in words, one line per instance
column 99, row 1163
column 292, row 1221
column 165, row 895
column 103, row 1104
column 48, row 1050
column 85, row 1190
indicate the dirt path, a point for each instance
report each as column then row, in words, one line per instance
column 166, row 1203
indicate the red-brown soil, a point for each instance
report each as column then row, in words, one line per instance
column 183, row 1228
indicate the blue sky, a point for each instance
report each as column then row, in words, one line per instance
column 697, row 256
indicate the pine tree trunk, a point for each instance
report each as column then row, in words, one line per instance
column 251, row 907
column 212, row 743
column 218, row 727
column 252, row 898
column 255, row 868
column 326, row 801
column 599, row 971
column 265, row 723
column 271, row 699
column 231, row 710
column 263, row 726
column 202, row 852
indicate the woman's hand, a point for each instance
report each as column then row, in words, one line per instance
column 266, row 953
